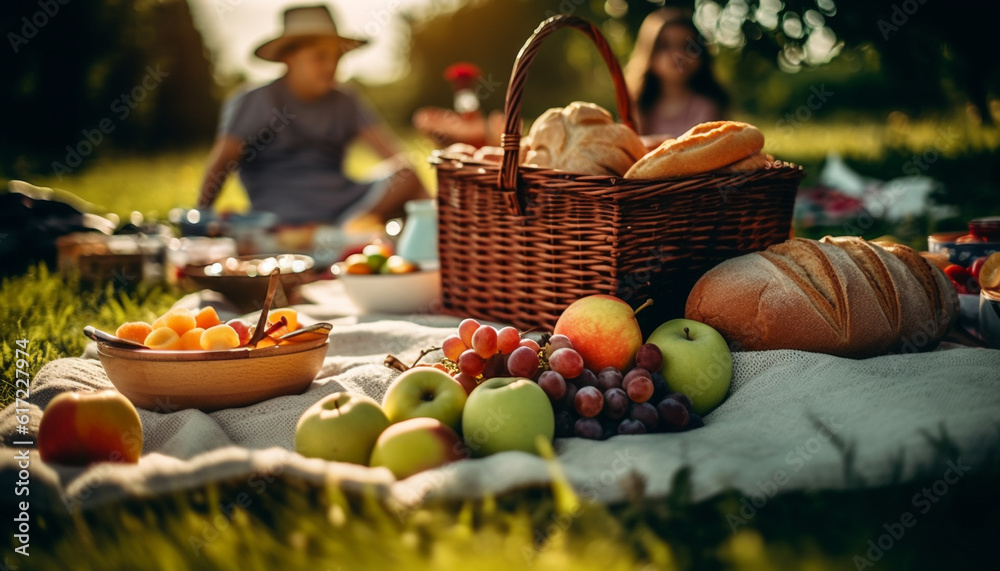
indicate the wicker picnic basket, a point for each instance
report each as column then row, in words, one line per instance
column 517, row 244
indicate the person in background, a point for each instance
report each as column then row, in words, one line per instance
column 288, row 138
column 669, row 77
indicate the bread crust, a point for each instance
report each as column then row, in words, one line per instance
column 755, row 162
column 841, row 296
column 704, row 148
column 581, row 138
column 942, row 298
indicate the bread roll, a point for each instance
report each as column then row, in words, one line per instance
column 752, row 163
column 704, row 148
column 581, row 138
column 842, row 296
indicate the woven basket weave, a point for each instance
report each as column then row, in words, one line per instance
column 518, row 244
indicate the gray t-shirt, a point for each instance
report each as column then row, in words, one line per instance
column 291, row 159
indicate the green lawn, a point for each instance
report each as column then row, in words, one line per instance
column 295, row 526
column 953, row 150
column 290, row 525
column 124, row 183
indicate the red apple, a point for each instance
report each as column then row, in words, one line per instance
column 603, row 330
column 80, row 428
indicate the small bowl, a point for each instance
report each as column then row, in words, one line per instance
column 247, row 292
column 962, row 254
column 989, row 317
column 392, row 293
column 166, row 381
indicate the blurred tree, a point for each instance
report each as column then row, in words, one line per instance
column 86, row 76
column 913, row 55
column 489, row 33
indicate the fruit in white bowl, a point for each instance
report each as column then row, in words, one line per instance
column 425, row 392
column 603, row 330
column 341, row 427
column 405, row 292
column 415, row 445
column 507, row 413
column 696, row 362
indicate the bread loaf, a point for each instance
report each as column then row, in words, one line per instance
column 581, row 138
column 842, row 296
column 704, row 148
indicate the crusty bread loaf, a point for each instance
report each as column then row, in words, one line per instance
column 704, row 148
column 581, row 138
column 842, row 296
column 760, row 160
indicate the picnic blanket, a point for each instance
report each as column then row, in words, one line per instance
column 792, row 421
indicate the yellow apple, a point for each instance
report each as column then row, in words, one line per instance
column 415, row 445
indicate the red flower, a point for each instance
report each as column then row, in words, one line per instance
column 462, row 75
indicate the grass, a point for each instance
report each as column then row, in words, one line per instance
column 121, row 183
column 50, row 311
column 294, row 525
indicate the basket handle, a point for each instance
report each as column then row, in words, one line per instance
column 511, row 138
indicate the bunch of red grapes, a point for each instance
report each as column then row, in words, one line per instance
column 586, row 404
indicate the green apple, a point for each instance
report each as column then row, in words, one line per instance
column 341, row 427
column 415, row 445
column 425, row 391
column 506, row 413
column 696, row 361
column 603, row 330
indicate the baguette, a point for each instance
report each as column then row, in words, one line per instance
column 704, row 148
column 843, row 296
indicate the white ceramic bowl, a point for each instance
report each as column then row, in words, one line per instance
column 416, row 292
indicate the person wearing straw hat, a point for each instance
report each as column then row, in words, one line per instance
column 288, row 138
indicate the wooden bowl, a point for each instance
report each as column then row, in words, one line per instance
column 166, row 381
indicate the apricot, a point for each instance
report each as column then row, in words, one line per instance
column 180, row 320
column 291, row 317
column 191, row 340
column 265, row 342
column 134, row 331
column 164, row 339
column 219, row 337
column 207, row 317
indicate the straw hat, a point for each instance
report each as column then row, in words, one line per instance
column 303, row 22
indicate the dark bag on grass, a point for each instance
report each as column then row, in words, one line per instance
column 33, row 218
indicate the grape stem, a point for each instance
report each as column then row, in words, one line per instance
column 424, row 354
column 393, row 362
